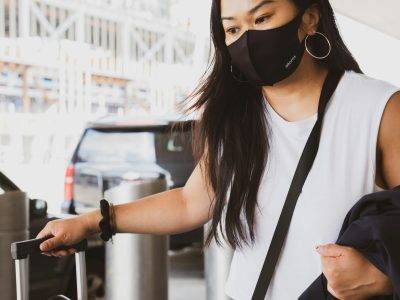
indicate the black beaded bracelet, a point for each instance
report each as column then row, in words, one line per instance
column 105, row 224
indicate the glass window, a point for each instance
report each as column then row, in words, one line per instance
column 105, row 146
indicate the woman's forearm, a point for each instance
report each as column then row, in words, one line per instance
column 161, row 213
column 169, row 212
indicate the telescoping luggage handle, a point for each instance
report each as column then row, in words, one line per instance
column 20, row 252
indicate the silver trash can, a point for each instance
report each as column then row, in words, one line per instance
column 14, row 224
column 137, row 264
column 217, row 261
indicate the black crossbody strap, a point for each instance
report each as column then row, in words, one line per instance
column 300, row 175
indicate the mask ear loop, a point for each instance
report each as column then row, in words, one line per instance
column 237, row 78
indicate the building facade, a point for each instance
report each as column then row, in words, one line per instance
column 95, row 56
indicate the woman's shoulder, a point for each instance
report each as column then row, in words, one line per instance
column 364, row 93
column 364, row 99
column 368, row 86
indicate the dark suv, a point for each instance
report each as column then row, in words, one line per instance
column 116, row 148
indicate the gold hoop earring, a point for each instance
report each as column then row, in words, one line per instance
column 326, row 39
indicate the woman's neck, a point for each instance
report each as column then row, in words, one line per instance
column 296, row 97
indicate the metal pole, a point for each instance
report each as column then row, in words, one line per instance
column 217, row 262
column 22, row 281
column 81, row 283
column 137, row 264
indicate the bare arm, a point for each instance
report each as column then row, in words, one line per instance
column 388, row 176
column 388, row 165
column 169, row 212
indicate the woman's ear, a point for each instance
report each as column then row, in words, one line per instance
column 311, row 20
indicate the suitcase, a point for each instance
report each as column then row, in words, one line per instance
column 20, row 253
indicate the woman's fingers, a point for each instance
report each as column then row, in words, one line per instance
column 51, row 244
column 61, row 233
column 43, row 233
column 46, row 232
column 71, row 251
column 60, row 253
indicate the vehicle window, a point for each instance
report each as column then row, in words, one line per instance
column 173, row 147
column 106, row 146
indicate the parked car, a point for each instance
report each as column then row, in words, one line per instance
column 115, row 148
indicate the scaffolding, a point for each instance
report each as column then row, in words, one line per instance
column 66, row 62
column 89, row 55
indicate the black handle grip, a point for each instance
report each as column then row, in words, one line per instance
column 21, row 250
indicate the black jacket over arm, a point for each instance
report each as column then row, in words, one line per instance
column 372, row 226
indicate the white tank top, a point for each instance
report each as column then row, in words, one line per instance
column 343, row 171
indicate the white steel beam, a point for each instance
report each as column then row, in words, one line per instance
column 153, row 50
column 80, row 26
column 2, row 19
column 12, row 18
column 23, row 18
column 65, row 25
column 42, row 19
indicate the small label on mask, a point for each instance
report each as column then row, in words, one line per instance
column 290, row 62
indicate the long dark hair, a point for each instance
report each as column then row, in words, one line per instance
column 232, row 132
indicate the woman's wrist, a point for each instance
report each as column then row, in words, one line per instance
column 384, row 287
column 383, row 284
column 91, row 221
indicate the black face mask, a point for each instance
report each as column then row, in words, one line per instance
column 268, row 56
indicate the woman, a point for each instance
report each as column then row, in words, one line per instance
column 259, row 104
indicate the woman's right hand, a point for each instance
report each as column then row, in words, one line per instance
column 63, row 232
